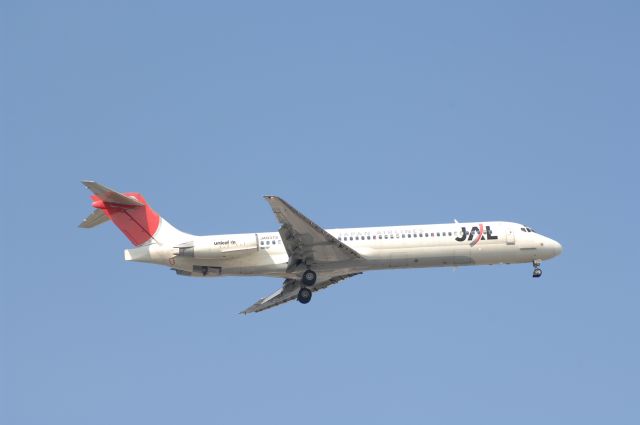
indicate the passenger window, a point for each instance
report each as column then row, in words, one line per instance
column 449, row 233
column 386, row 236
column 351, row 238
column 368, row 237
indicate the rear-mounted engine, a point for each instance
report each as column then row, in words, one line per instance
column 229, row 246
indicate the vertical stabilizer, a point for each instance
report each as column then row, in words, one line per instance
column 131, row 213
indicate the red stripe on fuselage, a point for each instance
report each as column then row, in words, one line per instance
column 479, row 236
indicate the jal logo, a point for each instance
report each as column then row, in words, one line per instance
column 476, row 234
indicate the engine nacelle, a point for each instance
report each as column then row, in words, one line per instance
column 218, row 247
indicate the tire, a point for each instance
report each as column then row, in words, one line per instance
column 304, row 296
column 309, row 278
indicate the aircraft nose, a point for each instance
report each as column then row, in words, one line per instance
column 557, row 247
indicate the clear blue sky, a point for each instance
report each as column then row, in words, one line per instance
column 358, row 113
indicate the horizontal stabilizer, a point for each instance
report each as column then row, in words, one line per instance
column 95, row 218
column 131, row 213
column 110, row 195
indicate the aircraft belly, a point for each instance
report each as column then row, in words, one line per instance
column 257, row 263
column 495, row 254
column 441, row 256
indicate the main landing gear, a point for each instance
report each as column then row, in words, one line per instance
column 537, row 271
column 308, row 279
column 304, row 296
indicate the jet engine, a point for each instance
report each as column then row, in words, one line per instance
column 218, row 247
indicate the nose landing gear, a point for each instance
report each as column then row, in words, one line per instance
column 537, row 271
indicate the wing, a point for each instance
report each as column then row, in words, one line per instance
column 304, row 240
column 289, row 291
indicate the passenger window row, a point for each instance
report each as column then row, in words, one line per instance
column 397, row 236
column 271, row 242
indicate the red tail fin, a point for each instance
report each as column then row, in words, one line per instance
column 138, row 223
column 129, row 211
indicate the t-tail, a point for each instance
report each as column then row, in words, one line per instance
column 131, row 213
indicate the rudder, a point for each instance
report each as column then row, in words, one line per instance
column 131, row 213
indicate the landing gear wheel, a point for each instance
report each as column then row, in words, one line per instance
column 304, row 296
column 537, row 272
column 308, row 278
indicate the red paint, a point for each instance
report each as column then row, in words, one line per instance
column 477, row 239
column 138, row 223
column 98, row 204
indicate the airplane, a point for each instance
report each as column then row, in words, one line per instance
column 308, row 257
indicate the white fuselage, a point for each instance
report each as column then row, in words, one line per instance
column 429, row 245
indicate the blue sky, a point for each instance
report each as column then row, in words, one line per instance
column 357, row 113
